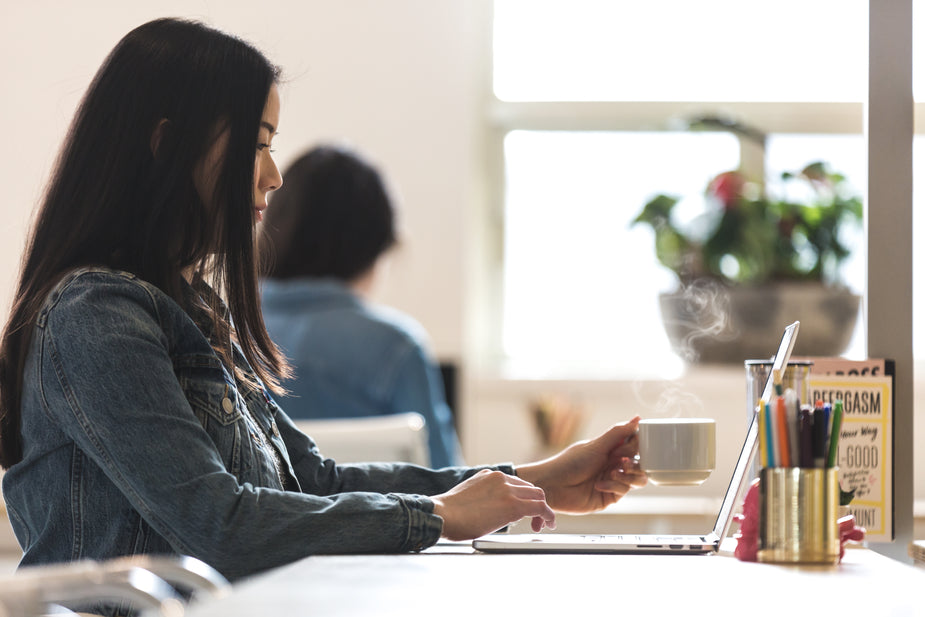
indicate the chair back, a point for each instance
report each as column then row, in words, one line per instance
column 394, row 438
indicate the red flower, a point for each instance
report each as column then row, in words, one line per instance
column 727, row 187
column 786, row 226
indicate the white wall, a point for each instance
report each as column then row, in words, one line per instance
column 396, row 79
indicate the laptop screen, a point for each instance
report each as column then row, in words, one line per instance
column 737, row 483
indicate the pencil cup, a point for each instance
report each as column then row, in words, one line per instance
column 799, row 515
column 796, row 376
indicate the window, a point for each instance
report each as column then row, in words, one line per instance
column 592, row 101
column 578, row 283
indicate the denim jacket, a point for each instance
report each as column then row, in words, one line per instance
column 137, row 439
column 354, row 359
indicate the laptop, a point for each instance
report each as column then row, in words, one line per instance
column 652, row 543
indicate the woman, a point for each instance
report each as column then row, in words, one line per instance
column 135, row 405
column 326, row 236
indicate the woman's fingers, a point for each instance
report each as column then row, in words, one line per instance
column 534, row 499
column 621, row 436
column 538, row 523
column 488, row 501
column 622, row 478
column 629, row 447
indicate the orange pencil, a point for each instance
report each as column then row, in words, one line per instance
column 784, row 440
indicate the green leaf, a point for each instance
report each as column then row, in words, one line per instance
column 762, row 238
column 657, row 212
column 845, row 497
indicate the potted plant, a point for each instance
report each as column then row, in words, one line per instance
column 751, row 262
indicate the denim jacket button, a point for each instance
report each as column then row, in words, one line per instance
column 227, row 405
column 275, row 430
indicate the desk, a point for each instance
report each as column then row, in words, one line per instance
column 452, row 580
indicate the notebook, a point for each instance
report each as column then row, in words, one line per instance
column 708, row 542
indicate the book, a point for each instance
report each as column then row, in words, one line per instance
column 865, row 440
column 872, row 367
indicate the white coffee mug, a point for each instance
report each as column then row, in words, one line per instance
column 677, row 451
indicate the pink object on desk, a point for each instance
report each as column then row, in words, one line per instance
column 747, row 536
column 849, row 532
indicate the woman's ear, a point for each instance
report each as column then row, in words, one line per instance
column 158, row 134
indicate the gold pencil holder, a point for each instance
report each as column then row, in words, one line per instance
column 799, row 515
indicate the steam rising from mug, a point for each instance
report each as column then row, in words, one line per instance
column 674, row 402
column 704, row 312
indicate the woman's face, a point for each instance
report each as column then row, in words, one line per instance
column 266, row 174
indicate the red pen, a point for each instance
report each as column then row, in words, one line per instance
column 781, row 417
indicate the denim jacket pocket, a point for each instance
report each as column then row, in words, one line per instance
column 214, row 401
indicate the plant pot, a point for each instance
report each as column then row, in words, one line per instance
column 712, row 323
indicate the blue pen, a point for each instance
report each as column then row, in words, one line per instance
column 827, row 410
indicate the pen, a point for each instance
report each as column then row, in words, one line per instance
column 820, row 434
column 783, row 431
column 806, row 436
column 833, row 440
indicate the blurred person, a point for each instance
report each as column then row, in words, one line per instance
column 325, row 241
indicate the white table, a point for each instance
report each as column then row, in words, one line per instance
column 453, row 580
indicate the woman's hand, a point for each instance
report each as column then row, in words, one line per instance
column 590, row 475
column 488, row 501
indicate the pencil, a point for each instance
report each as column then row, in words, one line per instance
column 762, row 433
column 793, row 425
column 769, row 430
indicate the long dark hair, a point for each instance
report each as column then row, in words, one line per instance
column 122, row 199
column 331, row 218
